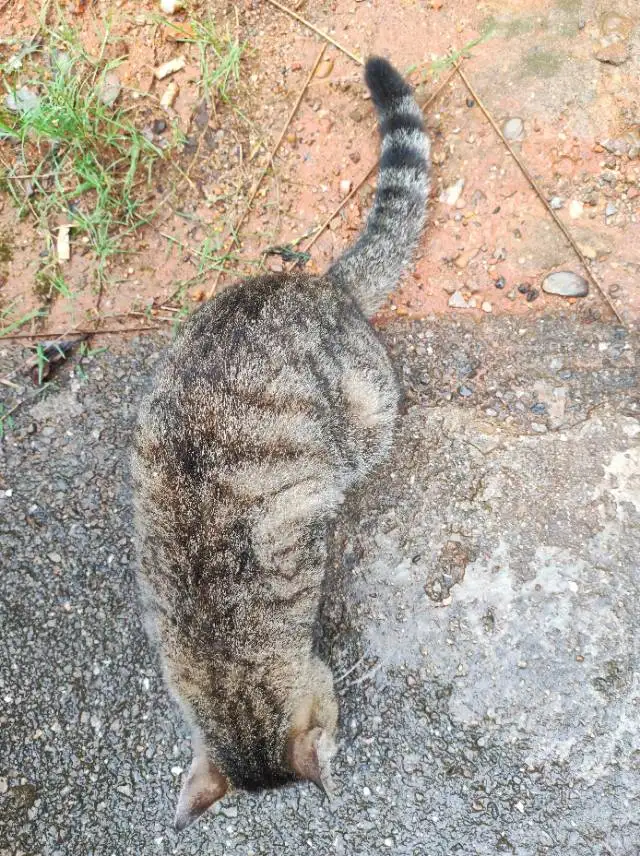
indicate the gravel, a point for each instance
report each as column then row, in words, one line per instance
column 483, row 586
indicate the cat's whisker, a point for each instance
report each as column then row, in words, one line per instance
column 368, row 674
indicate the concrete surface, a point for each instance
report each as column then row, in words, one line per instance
column 482, row 614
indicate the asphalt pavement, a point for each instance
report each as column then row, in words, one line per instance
column 481, row 616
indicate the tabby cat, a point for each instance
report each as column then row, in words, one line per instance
column 276, row 398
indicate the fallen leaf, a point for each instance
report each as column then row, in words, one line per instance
column 325, row 68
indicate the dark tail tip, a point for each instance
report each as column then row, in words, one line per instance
column 385, row 83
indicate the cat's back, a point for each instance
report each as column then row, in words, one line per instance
column 259, row 347
column 254, row 394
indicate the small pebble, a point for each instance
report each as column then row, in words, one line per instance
column 610, row 210
column 470, row 102
column 465, row 391
column 588, row 251
column 615, row 54
column 486, row 306
column 556, row 203
column 457, row 301
column 110, row 89
column 159, row 126
column 575, row 209
column 170, row 7
column 513, row 129
column 22, row 100
column 345, row 187
column 539, row 427
column 532, row 294
column 615, row 25
column 565, row 284
column 451, row 195
column 523, row 288
column 500, row 282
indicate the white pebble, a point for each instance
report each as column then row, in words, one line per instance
column 575, row 209
column 451, row 195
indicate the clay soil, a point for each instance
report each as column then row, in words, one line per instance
column 567, row 71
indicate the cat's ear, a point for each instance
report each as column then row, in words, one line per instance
column 203, row 786
column 310, row 754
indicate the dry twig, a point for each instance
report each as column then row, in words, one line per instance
column 523, row 169
column 107, row 331
column 315, row 30
column 274, row 151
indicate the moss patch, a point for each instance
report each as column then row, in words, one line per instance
column 541, row 63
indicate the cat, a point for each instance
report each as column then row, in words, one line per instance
column 276, row 398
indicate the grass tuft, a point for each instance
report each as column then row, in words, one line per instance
column 219, row 54
column 11, row 326
column 80, row 160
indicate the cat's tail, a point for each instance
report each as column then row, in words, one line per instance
column 372, row 267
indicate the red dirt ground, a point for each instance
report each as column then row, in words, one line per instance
column 538, row 63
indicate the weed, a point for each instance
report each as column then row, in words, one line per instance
column 86, row 351
column 450, row 59
column 41, row 361
column 177, row 321
column 288, row 254
column 6, row 247
column 6, row 420
column 82, row 159
column 50, row 282
column 12, row 326
column 219, row 55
